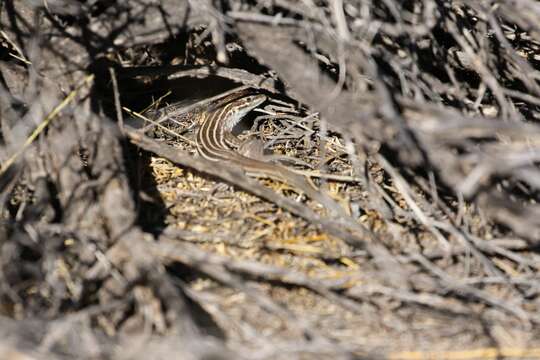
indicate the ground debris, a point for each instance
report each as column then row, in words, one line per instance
column 419, row 118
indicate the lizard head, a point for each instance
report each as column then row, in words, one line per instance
column 239, row 107
column 248, row 103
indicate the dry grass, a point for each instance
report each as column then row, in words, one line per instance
column 419, row 118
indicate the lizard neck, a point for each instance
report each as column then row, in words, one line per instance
column 217, row 121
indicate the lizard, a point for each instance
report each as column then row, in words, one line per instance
column 216, row 142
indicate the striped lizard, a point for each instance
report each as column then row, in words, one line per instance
column 215, row 141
